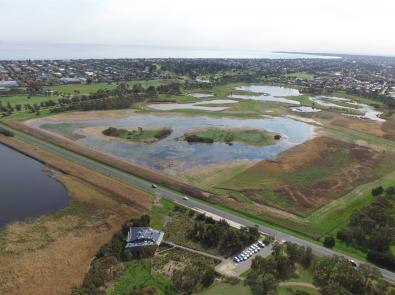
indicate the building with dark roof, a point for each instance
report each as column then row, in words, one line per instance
column 139, row 237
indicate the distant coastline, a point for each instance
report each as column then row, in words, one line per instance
column 36, row 51
column 335, row 55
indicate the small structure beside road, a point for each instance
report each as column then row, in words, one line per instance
column 141, row 237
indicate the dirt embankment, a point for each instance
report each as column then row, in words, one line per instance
column 130, row 195
column 121, row 164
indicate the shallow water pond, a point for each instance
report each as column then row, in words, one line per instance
column 304, row 109
column 366, row 111
column 201, row 105
column 268, row 93
column 200, row 95
column 172, row 155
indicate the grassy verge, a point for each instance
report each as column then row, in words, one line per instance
column 159, row 213
column 24, row 99
column 226, row 288
column 285, row 290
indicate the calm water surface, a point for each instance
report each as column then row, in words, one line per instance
column 172, row 155
column 268, row 93
column 23, row 51
column 25, row 189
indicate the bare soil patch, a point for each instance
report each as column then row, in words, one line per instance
column 87, row 116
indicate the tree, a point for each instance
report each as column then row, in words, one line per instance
column 329, row 242
column 377, row 191
column 285, row 267
column 263, row 284
column 338, row 271
column 208, row 278
column 307, row 258
column 370, row 274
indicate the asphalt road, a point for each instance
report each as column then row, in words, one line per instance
column 174, row 196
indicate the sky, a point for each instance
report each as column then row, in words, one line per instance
column 336, row 26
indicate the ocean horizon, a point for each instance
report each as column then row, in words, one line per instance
column 25, row 51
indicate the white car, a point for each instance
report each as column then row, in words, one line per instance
column 185, row 198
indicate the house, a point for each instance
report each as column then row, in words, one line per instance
column 141, row 237
column 8, row 84
column 73, row 80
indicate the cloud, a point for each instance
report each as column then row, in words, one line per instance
column 312, row 25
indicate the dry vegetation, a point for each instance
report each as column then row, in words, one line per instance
column 309, row 175
column 52, row 253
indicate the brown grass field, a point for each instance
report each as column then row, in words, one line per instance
column 309, row 175
column 52, row 253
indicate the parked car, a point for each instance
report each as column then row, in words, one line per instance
column 261, row 244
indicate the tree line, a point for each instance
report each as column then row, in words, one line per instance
column 219, row 234
column 266, row 273
column 373, row 228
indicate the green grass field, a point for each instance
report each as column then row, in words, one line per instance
column 138, row 274
column 246, row 136
column 225, row 289
column 90, row 88
column 283, row 290
column 139, row 136
column 22, row 99
column 160, row 212
column 302, row 75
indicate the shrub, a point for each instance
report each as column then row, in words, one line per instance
column 383, row 259
column 377, row 191
column 329, row 242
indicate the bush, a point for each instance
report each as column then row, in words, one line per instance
column 383, row 259
column 208, row 278
column 377, row 191
column 329, row 242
